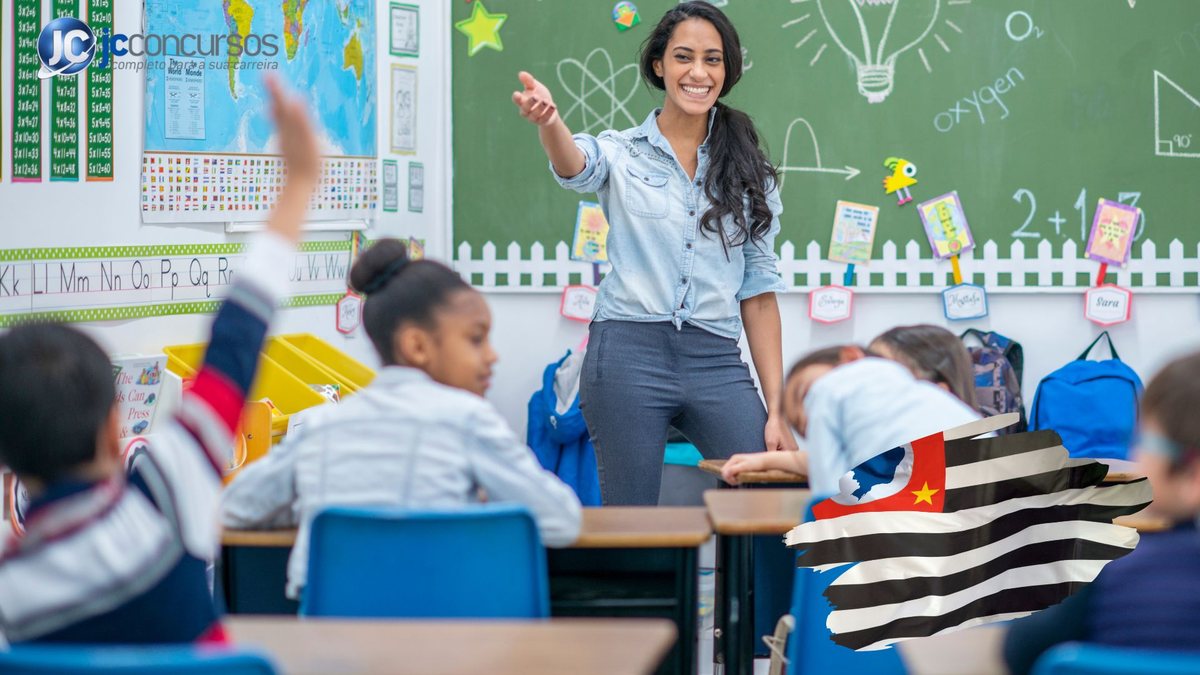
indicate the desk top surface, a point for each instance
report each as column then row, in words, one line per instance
column 579, row 646
column 608, row 527
column 714, row 466
column 762, row 511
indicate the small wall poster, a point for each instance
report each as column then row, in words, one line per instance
column 1113, row 228
column 946, row 225
column 853, row 233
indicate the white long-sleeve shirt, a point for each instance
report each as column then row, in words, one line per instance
column 404, row 441
column 865, row 408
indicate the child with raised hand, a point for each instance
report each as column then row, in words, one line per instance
column 1150, row 598
column 849, row 408
column 107, row 558
column 421, row 435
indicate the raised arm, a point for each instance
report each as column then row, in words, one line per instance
column 537, row 106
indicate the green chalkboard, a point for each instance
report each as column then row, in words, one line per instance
column 1032, row 110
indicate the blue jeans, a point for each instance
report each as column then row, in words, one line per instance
column 640, row 378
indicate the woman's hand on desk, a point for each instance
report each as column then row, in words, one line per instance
column 778, row 435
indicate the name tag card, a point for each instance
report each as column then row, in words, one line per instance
column 830, row 304
column 965, row 301
column 1108, row 304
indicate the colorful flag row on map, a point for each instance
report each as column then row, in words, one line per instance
column 179, row 187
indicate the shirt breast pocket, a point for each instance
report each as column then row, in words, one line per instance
column 646, row 193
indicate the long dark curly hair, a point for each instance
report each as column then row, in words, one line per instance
column 739, row 174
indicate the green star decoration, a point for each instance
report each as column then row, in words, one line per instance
column 482, row 29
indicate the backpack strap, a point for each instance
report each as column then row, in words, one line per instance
column 1111, row 348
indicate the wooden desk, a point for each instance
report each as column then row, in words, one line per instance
column 580, row 646
column 1121, row 471
column 737, row 515
column 627, row 562
column 1144, row 523
column 769, row 477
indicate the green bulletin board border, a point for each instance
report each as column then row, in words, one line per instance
column 156, row 309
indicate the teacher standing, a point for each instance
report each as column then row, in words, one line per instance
column 693, row 205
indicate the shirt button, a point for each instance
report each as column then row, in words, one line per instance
column 691, row 213
column 683, row 281
column 689, row 244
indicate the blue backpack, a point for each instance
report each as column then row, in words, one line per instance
column 1092, row 405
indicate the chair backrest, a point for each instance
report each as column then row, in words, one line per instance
column 132, row 660
column 811, row 649
column 480, row 561
column 1081, row 659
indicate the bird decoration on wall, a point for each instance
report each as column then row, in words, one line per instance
column 902, row 178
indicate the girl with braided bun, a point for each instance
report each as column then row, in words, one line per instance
column 421, row 435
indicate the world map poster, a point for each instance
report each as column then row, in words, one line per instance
column 210, row 153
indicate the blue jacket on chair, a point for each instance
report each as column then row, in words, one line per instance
column 557, row 433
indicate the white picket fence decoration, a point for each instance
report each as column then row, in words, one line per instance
column 1070, row 264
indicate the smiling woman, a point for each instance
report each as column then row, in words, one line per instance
column 694, row 211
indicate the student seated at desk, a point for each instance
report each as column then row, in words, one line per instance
column 105, row 559
column 850, row 408
column 420, row 436
column 1151, row 597
column 932, row 354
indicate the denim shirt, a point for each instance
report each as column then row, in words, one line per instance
column 664, row 267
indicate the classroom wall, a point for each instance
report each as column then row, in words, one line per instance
column 528, row 332
column 92, row 214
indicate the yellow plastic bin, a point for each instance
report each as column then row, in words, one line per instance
column 288, row 393
column 331, row 358
column 305, row 368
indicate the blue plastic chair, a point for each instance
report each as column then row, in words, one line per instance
column 132, row 660
column 811, row 649
column 1075, row 658
column 482, row 561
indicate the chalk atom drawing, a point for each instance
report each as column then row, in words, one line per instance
column 598, row 92
column 1179, row 139
column 786, row 166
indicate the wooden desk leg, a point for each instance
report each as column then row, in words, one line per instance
column 734, row 647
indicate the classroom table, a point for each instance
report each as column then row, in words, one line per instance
column 578, row 646
column 737, row 516
column 1119, row 471
column 774, row 477
column 627, row 562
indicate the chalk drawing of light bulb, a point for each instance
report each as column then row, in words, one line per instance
column 874, row 33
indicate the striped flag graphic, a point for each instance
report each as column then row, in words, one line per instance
column 968, row 532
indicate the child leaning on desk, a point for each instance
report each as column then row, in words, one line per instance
column 849, row 407
column 1151, row 597
column 108, row 559
column 420, row 436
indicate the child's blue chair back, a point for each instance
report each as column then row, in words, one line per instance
column 811, row 649
column 482, row 561
column 131, row 660
column 1081, row 659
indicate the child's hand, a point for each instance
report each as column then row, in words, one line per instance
column 754, row 461
column 535, row 103
column 298, row 143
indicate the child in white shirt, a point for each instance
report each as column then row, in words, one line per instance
column 421, row 435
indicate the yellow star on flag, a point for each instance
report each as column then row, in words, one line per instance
column 925, row 495
column 482, row 29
